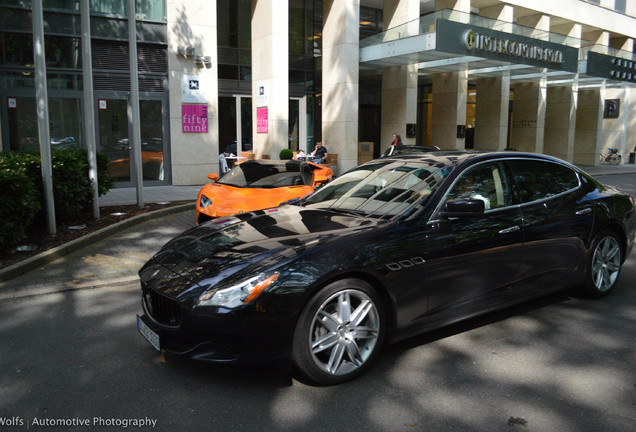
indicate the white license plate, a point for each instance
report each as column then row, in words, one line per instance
column 149, row 334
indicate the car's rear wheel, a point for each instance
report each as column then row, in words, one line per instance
column 604, row 265
column 339, row 332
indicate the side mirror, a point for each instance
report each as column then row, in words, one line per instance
column 213, row 176
column 463, row 207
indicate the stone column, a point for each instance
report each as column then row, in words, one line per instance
column 530, row 98
column 399, row 84
column 270, row 72
column 340, row 80
column 194, row 155
column 560, row 122
column 491, row 113
column 589, row 127
column 493, row 94
column 450, row 92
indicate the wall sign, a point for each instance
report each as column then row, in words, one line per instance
column 262, row 120
column 612, row 108
column 609, row 67
column 103, row 104
column 466, row 39
column 194, row 118
column 194, row 88
column 12, row 102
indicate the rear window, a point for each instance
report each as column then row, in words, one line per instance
column 537, row 180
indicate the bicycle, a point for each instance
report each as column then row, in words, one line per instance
column 611, row 156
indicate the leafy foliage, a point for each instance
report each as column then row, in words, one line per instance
column 21, row 202
column 286, row 154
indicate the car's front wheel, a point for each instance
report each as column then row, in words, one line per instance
column 604, row 265
column 339, row 332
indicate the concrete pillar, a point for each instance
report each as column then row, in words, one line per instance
column 491, row 113
column 270, row 72
column 194, row 155
column 529, row 104
column 528, row 121
column 493, row 94
column 450, row 92
column 623, row 43
column 449, row 109
column 560, row 123
column 616, row 130
column 589, row 127
column 600, row 38
column 399, row 84
column 340, row 80
column 460, row 9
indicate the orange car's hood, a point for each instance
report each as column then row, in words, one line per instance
column 229, row 200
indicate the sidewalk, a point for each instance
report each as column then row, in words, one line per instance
column 109, row 256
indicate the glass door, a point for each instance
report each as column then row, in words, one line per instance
column 235, row 124
column 113, row 139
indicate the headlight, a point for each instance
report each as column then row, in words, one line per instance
column 239, row 294
column 204, row 201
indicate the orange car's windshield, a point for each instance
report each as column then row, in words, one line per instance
column 268, row 174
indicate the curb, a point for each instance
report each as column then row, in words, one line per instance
column 70, row 286
column 29, row 264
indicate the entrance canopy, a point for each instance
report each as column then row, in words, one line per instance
column 450, row 41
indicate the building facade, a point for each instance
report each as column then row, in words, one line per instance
column 262, row 75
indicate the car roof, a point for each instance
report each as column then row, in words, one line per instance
column 458, row 157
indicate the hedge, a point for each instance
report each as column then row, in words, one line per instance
column 22, row 199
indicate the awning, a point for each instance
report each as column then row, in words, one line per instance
column 449, row 41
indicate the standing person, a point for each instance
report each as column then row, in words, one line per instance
column 319, row 155
column 397, row 140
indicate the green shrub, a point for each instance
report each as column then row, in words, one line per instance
column 286, row 154
column 19, row 200
column 22, row 186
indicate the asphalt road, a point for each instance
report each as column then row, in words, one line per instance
column 557, row 364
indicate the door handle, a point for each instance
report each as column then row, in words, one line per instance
column 509, row 230
column 584, row 211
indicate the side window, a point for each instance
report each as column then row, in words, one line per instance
column 487, row 182
column 538, row 180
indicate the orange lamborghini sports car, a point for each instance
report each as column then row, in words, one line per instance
column 257, row 185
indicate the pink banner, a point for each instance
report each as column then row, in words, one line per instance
column 194, row 118
column 262, row 120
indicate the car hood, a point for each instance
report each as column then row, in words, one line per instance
column 246, row 244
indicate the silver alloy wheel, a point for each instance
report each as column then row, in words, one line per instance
column 344, row 332
column 606, row 263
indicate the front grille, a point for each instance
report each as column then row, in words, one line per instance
column 161, row 308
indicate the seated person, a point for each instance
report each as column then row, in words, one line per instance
column 319, row 155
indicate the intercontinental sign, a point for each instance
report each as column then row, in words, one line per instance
column 470, row 40
column 477, row 41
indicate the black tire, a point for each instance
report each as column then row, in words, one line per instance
column 348, row 317
column 603, row 266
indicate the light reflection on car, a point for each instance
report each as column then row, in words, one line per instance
column 390, row 249
column 259, row 184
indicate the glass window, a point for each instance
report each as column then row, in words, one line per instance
column 486, row 182
column 619, row 5
column 383, row 189
column 61, row 52
column 151, row 10
column 64, row 123
column 538, row 180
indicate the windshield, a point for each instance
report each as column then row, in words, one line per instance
column 259, row 174
column 383, row 189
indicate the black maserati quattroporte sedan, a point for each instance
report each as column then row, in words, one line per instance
column 390, row 249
